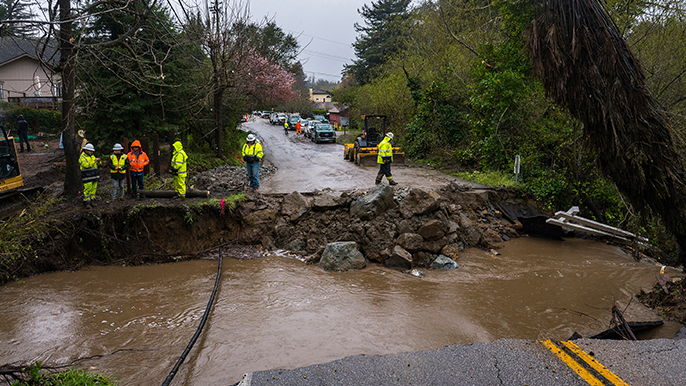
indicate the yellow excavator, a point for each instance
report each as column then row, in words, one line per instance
column 10, row 174
column 364, row 150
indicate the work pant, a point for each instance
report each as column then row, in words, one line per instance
column 385, row 169
column 89, row 189
column 117, row 185
column 254, row 174
column 23, row 138
column 297, row 129
column 136, row 183
column 180, row 184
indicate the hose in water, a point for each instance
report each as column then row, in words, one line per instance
column 200, row 327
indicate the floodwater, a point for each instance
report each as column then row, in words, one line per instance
column 305, row 166
column 276, row 312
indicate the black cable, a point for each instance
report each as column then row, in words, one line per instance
column 200, row 327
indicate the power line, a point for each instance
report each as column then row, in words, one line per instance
column 327, row 56
column 317, row 37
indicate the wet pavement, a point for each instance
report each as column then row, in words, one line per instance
column 504, row 362
column 305, row 166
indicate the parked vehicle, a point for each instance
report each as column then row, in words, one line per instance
column 308, row 127
column 281, row 117
column 323, row 132
column 265, row 114
column 321, row 118
column 292, row 120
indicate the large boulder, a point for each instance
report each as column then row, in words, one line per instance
column 410, row 241
column 326, row 201
column 419, row 202
column 434, row 246
column 444, row 262
column 377, row 200
column 452, row 251
column 293, row 206
column 400, row 258
column 342, row 256
column 432, row 230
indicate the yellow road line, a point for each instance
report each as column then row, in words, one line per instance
column 583, row 373
column 595, row 364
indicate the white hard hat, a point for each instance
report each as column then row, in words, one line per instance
column 389, row 135
column 118, row 146
column 251, row 137
column 89, row 146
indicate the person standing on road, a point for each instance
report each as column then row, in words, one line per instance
column 285, row 127
column 298, row 126
column 90, row 175
column 119, row 163
column 23, row 133
column 252, row 155
column 137, row 161
column 384, row 159
column 178, row 169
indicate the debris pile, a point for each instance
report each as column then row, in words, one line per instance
column 228, row 178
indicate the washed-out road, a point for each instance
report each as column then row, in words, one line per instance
column 305, row 166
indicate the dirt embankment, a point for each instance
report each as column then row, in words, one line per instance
column 166, row 230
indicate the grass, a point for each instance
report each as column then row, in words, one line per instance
column 489, row 178
column 349, row 137
column 72, row 377
column 15, row 230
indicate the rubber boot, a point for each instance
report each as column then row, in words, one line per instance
column 379, row 177
column 391, row 181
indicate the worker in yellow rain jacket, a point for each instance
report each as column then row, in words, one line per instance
column 384, row 159
column 252, row 155
column 178, row 168
column 89, row 174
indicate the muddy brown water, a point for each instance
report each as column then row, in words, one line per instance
column 276, row 312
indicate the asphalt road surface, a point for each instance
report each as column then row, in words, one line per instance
column 305, row 166
column 503, row 362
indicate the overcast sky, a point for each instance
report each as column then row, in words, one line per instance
column 324, row 28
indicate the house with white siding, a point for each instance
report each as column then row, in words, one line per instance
column 24, row 79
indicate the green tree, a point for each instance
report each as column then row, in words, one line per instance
column 14, row 18
column 140, row 86
column 382, row 37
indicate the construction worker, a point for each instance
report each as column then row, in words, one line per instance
column 137, row 162
column 298, row 126
column 252, row 155
column 119, row 164
column 23, row 133
column 89, row 174
column 178, row 169
column 285, row 127
column 384, row 159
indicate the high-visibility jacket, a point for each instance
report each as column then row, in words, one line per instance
column 137, row 162
column 178, row 161
column 385, row 151
column 89, row 168
column 252, row 153
column 119, row 163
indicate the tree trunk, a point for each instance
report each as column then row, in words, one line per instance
column 72, row 179
column 218, row 124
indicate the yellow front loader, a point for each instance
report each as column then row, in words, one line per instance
column 10, row 174
column 364, row 150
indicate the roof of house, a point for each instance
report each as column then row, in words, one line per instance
column 323, row 105
column 12, row 48
column 318, row 91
